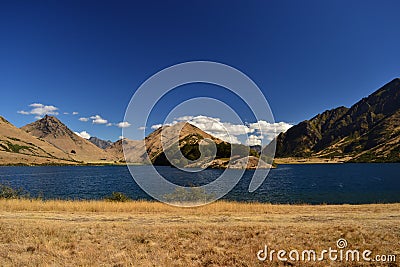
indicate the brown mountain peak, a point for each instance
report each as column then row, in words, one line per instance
column 52, row 130
column 2, row 119
column 48, row 125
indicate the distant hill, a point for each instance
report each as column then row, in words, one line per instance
column 53, row 131
column 133, row 150
column 256, row 148
column 180, row 150
column 150, row 150
column 188, row 147
column 103, row 144
column 369, row 131
column 19, row 147
column 189, row 135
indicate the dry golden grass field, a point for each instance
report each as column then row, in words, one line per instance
column 99, row 233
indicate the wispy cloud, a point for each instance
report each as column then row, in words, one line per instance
column 142, row 128
column 123, row 124
column 156, row 126
column 84, row 119
column 97, row 119
column 83, row 134
column 39, row 110
column 75, row 113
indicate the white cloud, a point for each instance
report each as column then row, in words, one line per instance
column 184, row 118
column 84, row 119
column 40, row 110
column 142, row 128
column 231, row 132
column 123, row 124
column 267, row 127
column 83, row 134
column 225, row 137
column 65, row 113
column 75, row 113
column 216, row 126
column 109, row 124
column 223, row 130
column 97, row 119
column 156, row 126
column 254, row 140
column 270, row 130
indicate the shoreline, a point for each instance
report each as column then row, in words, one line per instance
column 103, row 205
column 279, row 161
column 311, row 160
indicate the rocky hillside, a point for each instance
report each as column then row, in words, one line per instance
column 151, row 149
column 103, row 144
column 183, row 144
column 193, row 145
column 19, row 147
column 59, row 135
column 133, row 151
column 369, row 131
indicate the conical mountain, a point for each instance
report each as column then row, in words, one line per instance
column 19, row 147
column 151, row 149
column 369, row 131
column 53, row 131
column 181, row 142
column 188, row 135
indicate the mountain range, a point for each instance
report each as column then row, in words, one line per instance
column 368, row 131
column 48, row 141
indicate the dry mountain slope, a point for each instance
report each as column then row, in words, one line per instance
column 188, row 134
column 56, row 133
column 135, row 150
column 187, row 147
column 151, row 150
column 19, row 147
column 103, row 144
column 369, row 131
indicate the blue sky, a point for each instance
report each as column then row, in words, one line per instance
column 90, row 56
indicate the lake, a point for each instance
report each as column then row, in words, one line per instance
column 313, row 184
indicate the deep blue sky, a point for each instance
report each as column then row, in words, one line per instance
column 90, row 56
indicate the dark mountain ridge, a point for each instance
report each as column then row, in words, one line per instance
column 103, row 144
column 367, row 131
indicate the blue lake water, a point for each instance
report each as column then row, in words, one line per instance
column 314, row 184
